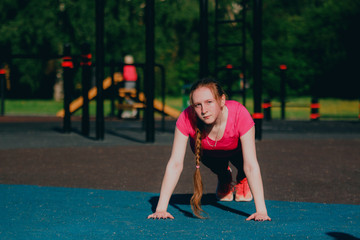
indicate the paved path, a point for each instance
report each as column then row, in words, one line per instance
column 66, row 186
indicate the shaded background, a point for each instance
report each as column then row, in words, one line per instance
column 316, row 39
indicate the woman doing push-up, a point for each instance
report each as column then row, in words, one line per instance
column 221, row 132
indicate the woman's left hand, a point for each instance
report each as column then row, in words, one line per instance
column 259, row 217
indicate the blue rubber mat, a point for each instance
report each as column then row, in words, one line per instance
column 31, row 212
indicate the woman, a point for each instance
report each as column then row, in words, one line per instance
column 220, row 132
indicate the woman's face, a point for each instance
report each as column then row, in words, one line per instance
column 206, row 107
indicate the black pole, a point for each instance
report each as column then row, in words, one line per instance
column 229, row 80
column 359, row 109
column 257, row 62
column 2, row 88
column 149, row 70
column 216, row 32
column 267, row 109
column 99, row 71
column 85, row 82
column 244, row 63
column 3, row 57
column 203, row 32
column 163, row 87
column 68, row 66
column 315, row 106
column 138, row 84
column 113, row 89
column 283, row 90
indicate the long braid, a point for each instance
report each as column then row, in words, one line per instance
column 217, row 91
column 198, row 186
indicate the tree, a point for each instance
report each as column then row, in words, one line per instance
column 315, row 38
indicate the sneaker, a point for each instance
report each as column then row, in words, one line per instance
column 243, row 193
column 225, row 191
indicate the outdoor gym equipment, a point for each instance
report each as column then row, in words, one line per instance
column 2, row 90
column 158, row 105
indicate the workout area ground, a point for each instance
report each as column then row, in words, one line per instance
column 67, row 186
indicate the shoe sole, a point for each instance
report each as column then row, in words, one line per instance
column 225, row 199
column 242, row 199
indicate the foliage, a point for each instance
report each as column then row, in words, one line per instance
column 333, row 47
column 315, row 38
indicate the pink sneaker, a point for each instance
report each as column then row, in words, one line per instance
column 243, row 193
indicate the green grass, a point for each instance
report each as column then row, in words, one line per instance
column 296, row 108
column 45, row 107
column 32, row 107
column 330, row 108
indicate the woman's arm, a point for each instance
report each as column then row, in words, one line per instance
column 252, row 171
column 172, row 175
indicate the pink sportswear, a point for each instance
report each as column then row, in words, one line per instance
column 129, row 73
column 238, row 123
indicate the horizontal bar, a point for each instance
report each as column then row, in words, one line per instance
column 35, row 56
column 225, row 68
column 229, row 21
column 229, row 44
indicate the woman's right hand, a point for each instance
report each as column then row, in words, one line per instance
column 160, row 215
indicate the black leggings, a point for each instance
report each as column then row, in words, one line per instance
column 219, row 166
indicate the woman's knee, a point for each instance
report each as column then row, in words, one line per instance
column 217, row 166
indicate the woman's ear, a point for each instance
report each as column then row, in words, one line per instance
column 223, row 99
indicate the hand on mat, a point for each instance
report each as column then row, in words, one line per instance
column 259, row 217
column 160, row 215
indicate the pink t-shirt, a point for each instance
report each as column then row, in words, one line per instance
column 238, row 123
column 129, row 73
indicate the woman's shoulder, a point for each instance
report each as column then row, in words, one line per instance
column 232, row 104
column 239, row 117
column 186, row 121
column 237, row 110
column 187, row 115
column 188, row 112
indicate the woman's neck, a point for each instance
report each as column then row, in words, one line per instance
column 216, row 130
